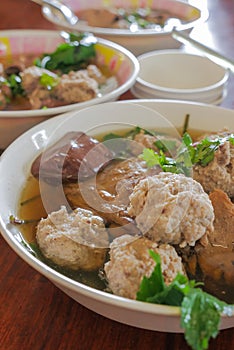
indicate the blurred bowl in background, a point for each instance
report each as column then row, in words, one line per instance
column 182, row 15
column 175, row 74
column 119, row 62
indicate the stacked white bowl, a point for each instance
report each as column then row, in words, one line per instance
column 180, row 75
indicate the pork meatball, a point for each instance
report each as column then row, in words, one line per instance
column 76, row 240
column 219, row 173
column 130, row 261
column 69, row 88
column 171, row 208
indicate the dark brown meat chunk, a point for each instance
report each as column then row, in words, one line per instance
column 214, row 263
column 74, row 157
column 108, row 193
column 223, row 234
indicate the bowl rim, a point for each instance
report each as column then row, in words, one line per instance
column 155, row 87
column 63, row 109
column 204, row 14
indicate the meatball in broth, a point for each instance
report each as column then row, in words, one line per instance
column 76, row 240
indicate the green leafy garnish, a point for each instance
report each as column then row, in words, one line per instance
column 200, row 311
column 231, row 139
column 121, row 149
column 167, row 164
column 202, row 152
column 188, row 154
column 165, row 145
column 111, row 136
column 14, row 81
column 129, row 134
column 72, row 55
column 48, row 81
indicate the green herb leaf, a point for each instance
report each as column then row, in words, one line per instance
column 165, row 145
column 200, row 311
column 204, row 151
column 231, row 139
column 72, row 55
column 15, row 83
column 187, row 139
column 200, row 317
column 167, row 164
column 111, row 136
column 48, row 81
column 150, row 157
column 188, row 154
column 154, row 284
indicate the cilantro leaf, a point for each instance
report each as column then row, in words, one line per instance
column 200, row 311
column 204, row 151
column 200, row 317
column 188, row 154
column 150, row 157
column 167, row 164
column 155, row 283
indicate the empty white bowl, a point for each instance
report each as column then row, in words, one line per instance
column 176, row 74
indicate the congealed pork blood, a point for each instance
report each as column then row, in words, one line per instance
column 75, row 156
column 108, row 193
column 214, row 262
column 92, row 179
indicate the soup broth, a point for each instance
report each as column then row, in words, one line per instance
column 119, row 18
column 25, row 96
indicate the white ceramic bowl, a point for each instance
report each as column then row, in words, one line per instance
column 139, row 41
column 120, row 62
column 176, row 74
column 140, row 93
column 14, row 173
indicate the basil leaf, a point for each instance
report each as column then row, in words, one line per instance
column 75, row 54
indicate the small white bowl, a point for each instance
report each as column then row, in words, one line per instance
column 175, row 74
column 141, row 40
column 120, row 62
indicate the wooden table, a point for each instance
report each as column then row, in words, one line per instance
column 34, row 314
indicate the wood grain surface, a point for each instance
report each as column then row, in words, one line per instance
column 34, row 314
